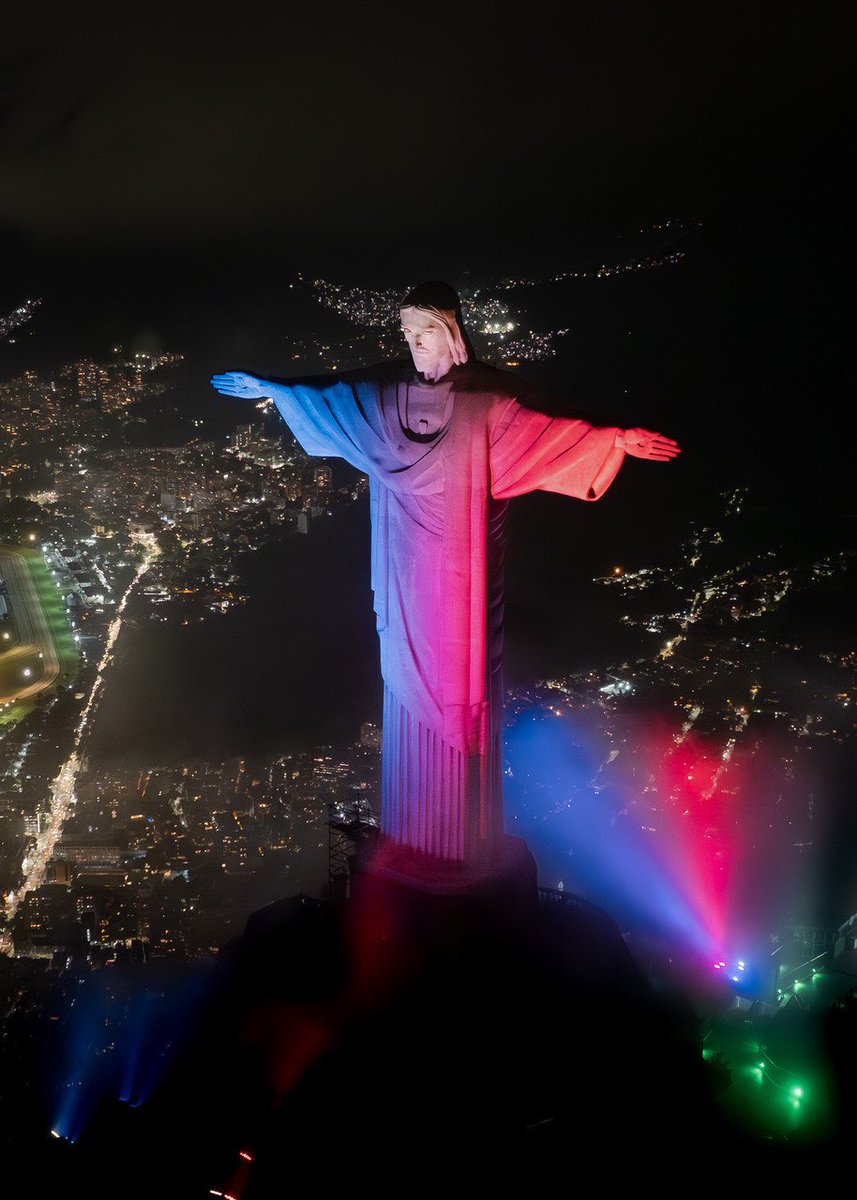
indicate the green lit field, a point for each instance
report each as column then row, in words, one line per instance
column 54, row 609
column 41, row 648
column 16, row 712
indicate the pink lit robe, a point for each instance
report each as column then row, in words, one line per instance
column 438, row 510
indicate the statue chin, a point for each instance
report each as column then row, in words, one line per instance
column 432, row 369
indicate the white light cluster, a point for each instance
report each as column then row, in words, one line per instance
column 18, row 317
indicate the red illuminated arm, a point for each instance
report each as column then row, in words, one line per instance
column 531, row 451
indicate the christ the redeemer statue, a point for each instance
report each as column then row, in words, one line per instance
column 446, row 442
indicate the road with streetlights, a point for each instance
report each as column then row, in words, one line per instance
column 62, row 792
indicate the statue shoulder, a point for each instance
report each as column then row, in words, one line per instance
column 381, row 373
column 498, row 387
column 378, row 373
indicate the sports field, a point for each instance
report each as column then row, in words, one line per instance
column 40, row 651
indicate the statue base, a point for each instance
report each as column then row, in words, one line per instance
column 509, row 874
column 403, row 901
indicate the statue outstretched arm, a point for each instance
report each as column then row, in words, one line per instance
column 532, row 451
column 324, row 413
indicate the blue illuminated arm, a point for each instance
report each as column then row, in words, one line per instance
column 328, row 415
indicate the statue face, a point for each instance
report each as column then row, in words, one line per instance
column 428, row 340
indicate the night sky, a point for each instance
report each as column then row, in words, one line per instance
column 194, row 132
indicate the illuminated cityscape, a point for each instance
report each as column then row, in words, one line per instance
column 15, row 319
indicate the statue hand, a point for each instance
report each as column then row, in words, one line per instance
column 642, row 443
column 240, row 383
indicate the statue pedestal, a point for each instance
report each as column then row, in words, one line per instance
column 404, row 903
column 510, row 876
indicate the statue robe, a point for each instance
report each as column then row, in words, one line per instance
column 438, row 509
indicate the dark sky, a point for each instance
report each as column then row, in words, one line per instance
column 127, row 128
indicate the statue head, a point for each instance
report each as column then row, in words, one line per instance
column 433, row 328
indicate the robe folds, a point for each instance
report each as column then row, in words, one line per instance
column 438, row 506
